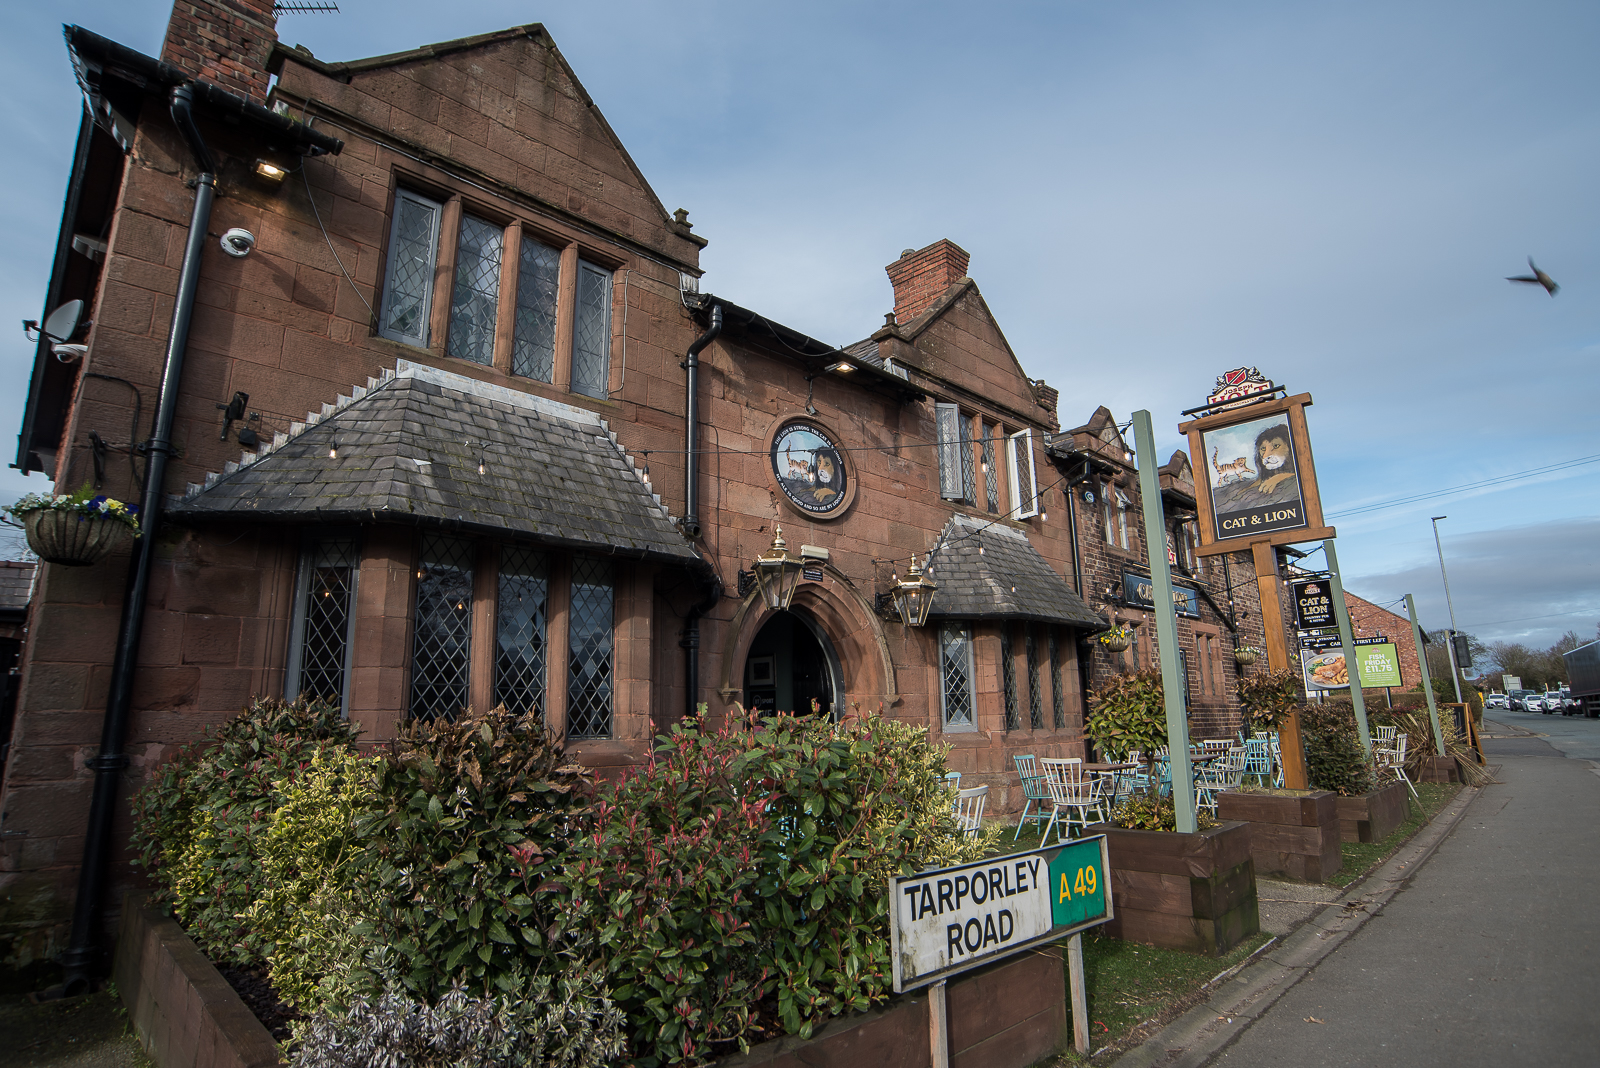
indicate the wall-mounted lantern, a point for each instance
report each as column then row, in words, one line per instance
column 913, row 596
column 777, row 573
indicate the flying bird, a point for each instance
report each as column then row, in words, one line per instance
column 1537, row 278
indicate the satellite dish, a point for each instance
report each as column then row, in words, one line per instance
column 63, row 322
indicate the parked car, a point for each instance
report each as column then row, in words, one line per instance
column 1517, row 700
column 1496, row 700
column 1533, row 702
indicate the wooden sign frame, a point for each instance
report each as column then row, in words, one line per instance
column 1294, row 407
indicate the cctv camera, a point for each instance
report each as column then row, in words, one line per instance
column 69, row 353
column 238, row 242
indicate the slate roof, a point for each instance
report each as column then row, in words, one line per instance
column 16, row 586
column 409, row 446
column 1007, row 580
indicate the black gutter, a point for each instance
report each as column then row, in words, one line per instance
column 808, row 351
column 153, row 75
column 79, row 958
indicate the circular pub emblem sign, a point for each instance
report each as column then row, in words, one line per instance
column 810, row 468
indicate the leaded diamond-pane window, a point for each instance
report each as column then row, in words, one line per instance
column 1035, row 698
column 476, row 301
column 442, row 631
column 408, row 287
column 1008, row 674
column 969, row 476
column 1057, row 701
column 992, row 480
column 320, row 645
column 533, row 346
column 589, row 632
column 955, row 669
column 591, row 335
column 520, row 631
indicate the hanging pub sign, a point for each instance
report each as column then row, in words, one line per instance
column 1140, row 591
column 1313, row 605
column 1260, row 482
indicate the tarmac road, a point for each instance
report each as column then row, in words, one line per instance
column 1489, row 956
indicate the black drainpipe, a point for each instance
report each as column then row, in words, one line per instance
column 691, row 436
column 79, row 958
column 691, row 510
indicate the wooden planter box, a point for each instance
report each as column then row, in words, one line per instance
column 1440, row 769
column 1373, row 817
column 1195, row 892
column 1292, row 832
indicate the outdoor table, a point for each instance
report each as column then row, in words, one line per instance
column 1118, row 773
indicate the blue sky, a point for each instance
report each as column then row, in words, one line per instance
column 1152, row 193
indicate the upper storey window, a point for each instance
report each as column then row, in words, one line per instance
column 507, row 306
column 967, row 451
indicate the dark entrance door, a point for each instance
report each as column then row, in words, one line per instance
column 788, row 667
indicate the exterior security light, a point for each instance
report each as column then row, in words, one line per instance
column 913, row 596
column 843, row 367
column 269, row 170
column 778, row 573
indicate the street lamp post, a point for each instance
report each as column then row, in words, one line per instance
column 1450, row 641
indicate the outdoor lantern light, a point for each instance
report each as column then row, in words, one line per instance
column 913, row 595
column 778, row 573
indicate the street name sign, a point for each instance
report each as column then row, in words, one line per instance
column 948, row 920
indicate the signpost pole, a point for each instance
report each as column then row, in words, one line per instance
column 938, row 1033
column 1427, row 679
column 1080, row 994
column 1290, row 749
column 1352, row 659
column 1155, row 542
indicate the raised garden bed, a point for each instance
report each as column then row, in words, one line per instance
column 1009, row 1015
column 180, row 1006
column 1195, row 892
column 1294, row 833
column 1371, row 817
column 1440, row 769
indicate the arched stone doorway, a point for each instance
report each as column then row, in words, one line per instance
column 790, row 664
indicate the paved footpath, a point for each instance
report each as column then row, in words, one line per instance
column 1478, row 944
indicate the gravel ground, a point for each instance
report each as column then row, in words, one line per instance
column 86, row 1032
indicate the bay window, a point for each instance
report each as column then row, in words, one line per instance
column 321, row 632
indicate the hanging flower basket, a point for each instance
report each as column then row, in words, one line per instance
column 1117, row 639
column 76, row 530
column 1245, row 655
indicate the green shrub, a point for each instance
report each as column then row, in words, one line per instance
column 1267, row 697
column 305, row 921
column 1150, row 811
column 1334, row 757
column 738, row 882
column 200, row 820
column 1129, row 712
column 471, row 821
column 567, row 1022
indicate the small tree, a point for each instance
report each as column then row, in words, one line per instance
column 1267, row 697
column 1130, row 713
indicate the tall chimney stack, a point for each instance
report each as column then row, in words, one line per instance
column 920, row 277
column 224, row 42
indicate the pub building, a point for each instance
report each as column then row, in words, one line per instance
column 1217, row 598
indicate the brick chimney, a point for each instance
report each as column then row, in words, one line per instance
column 224, row 42
column 920, row 277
